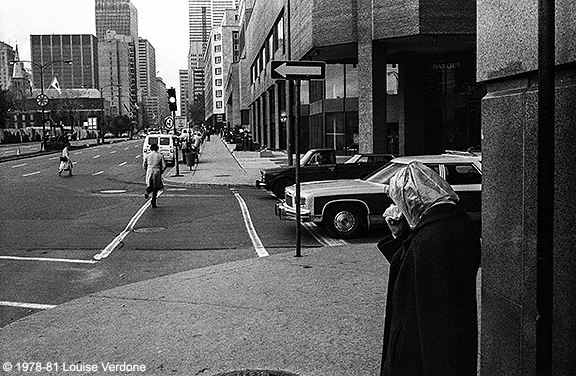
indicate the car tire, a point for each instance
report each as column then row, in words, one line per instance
column 343, row 221
column 279, row 187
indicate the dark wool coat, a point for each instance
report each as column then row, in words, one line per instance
column 431, row 321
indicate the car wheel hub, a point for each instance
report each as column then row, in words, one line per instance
column 344, row 221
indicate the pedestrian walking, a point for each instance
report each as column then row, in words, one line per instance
column 65, row 162
column 154, row 164
column 434, row 253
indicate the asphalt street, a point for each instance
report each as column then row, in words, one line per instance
column 52, row 228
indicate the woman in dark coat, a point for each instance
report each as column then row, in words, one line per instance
column 431, row 321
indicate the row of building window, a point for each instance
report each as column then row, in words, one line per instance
column 274, row 42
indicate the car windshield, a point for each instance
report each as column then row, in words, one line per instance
column 152, row 140
column 384, row 174
column 164, row 141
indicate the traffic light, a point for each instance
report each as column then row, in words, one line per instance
column 172, row 99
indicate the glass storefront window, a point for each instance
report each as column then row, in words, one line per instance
column 392, row 79
column 305, row 92
column 334, row 81
column 351, row 81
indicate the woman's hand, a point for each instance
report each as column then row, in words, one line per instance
column 397, row 226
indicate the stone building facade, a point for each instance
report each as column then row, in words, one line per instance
column 400, row 75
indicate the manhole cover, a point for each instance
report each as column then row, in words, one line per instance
column 248, row 372
column 149, row 229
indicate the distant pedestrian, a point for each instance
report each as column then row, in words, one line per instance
column 434, row 253
column 154, row 164
column 65, row 162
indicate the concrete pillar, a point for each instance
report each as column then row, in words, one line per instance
column 372, row 112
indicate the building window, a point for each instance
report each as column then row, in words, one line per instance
column 217, row 37
column 218, row 60
column 217, row 48
column 218, row 71
column 218, row 82
column 218, row 93
column 218, row 104
column 392, row 79
column 280, row 27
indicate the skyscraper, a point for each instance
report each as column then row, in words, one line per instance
column 119, row 18
column 82, row 50
column 202, row 16
column 118, row 15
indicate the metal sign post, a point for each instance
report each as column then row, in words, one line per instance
column 176, row 142
column 296, row 71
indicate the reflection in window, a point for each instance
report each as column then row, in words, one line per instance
column 392, row 79
column 351, row 81
column 334, row 81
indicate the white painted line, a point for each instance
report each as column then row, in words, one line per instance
column 323, row 240
column 256, row 242
column 122, row 164
column 78, row 152
column 97, row 173
column 138, row 156
column 71, row 261
column 32, row 173
column 53, row 158
column 113, row 152
column 26, row 305
column 19, row 165
column 129, row 227
column 126, row 148
column 96, row 156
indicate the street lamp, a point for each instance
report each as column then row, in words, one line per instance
column 102, row 108
column 42, row 99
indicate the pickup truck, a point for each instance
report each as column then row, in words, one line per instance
column 320, row 164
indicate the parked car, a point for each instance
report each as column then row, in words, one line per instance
column 345, row 207
column 320, row 164
column 166, row 146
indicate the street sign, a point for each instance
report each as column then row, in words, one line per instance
column 168, row 122
column 298, row 70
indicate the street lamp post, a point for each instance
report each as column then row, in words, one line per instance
column 42, row 99
column 102, row 108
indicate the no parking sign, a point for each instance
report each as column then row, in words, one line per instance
column 168, row 122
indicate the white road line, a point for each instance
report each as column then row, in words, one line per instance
column 32, row 173
column 20, row 165
column 138, row 156
column 96, row 156
column 126, row 148
column 53, row 158
column 78, row 152
column 97, row 173
column 71, row 261
column 256, row 242
column 129, row 227
column 113, row 152
column 26, row 305
column 122, row 164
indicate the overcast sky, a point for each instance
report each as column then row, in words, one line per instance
column 163, row 23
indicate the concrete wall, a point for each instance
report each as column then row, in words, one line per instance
column 507, row 62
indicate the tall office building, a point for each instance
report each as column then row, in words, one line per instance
column 184, row 85
column 203, row 15
column 120, row 17
column 82, row 50
column 7, row 54
column 146, row 67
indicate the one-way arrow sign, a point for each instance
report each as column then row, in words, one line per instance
column 299, row 70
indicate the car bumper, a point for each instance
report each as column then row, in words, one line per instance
column 261, row 184
column 288, row 213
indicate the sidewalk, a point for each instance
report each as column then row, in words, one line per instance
column 221, row 165
column 317, row 315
